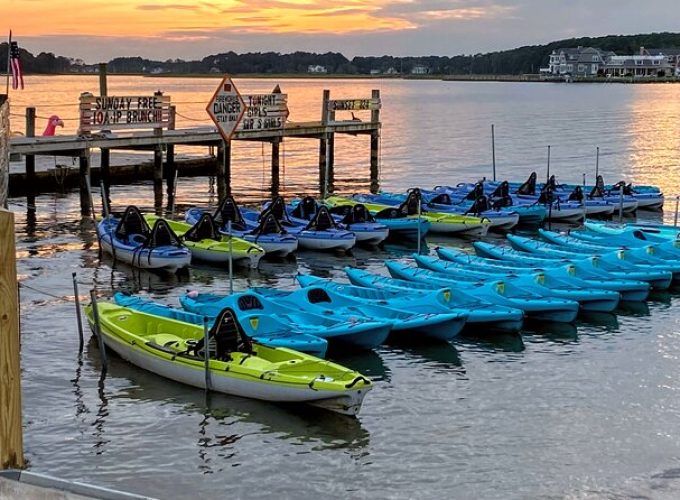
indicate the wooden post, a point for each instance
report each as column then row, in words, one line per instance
column 30, row 161
column 375, row 145
column 105, row 154
column 11, row 431
column 170, row 166
column 331, row 160
column 275, row 166
column 220, row 172
column 227, row 167
column 322, row 165
column 85, row 208
column 158, row 180
column 4, row 150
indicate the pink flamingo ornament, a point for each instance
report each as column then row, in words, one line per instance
column 52, row 123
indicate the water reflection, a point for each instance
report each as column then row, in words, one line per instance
column 499, row 342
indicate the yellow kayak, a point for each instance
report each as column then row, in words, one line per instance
column 439, row 222
column 208, row 245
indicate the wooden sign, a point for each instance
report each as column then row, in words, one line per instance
column 226, row 108
column 353, row 104
column 123, row 112
column 264, row 112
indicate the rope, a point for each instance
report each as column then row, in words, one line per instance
column 49, row 294
column 203, row 120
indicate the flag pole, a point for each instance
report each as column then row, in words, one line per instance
column 9, row 51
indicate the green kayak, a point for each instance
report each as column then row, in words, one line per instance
column 237, row 366
column 208, row 245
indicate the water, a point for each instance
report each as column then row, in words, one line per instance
column 589, row 410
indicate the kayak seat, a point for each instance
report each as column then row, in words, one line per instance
column 228, row 336
column 204, row 229
column 137, row 239
column 306, row 209
column 249, row 303
column 162, row 235
column 441, row 199
column 131, row 223
column 318, row 295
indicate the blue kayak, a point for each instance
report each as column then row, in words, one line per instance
column 660, row 277
column 666, row 253
column 263, row 329
column 356, row 333
column 630, row 290
column 653, row 232
column 538, row 282
column 326, row 302
column 498, row 291
column 268, row 233
column 638, row 257
column 482, row 315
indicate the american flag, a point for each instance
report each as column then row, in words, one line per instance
column 15, row 64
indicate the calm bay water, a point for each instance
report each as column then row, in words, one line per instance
column 584, row 410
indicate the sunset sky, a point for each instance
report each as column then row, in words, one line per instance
column 97, row 30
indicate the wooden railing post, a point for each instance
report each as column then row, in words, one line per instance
column 11, row 432
column 4, row 150
column 275, row 166
column 30, row 160
column 105, row 153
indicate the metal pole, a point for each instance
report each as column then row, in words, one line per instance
column 597, row 163
column 78, row 314
column 493, row 151
column 98, row 331
column 419, row 222
column 621, row 205
column 107, row 213
column 326, row 171
column 547, row 178
column 584, row 181
column 677, row 205
column 231, row 259
column 174, row 196
column 206, row 353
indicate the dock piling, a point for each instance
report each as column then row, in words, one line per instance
column 158, row 180
column 375, row 145
column 30, row 161
column 221, row 172
column 11, row 431
column 4, row 150
column 84, row 160
column 98, row 332
column 275, row 166
column 170, row 170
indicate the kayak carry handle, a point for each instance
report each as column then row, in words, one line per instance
column 358, row 379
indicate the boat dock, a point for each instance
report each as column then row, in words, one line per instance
column 160, row 139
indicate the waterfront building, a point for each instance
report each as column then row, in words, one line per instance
column 316, row 68
column 584, row 62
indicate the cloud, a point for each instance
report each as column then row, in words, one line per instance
column 167, row 7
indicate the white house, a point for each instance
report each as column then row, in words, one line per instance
column 316, row 68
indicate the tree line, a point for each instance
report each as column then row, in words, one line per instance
column 521, row 60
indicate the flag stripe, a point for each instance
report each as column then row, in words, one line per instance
column 15, row 64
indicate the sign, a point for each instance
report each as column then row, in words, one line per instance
column 353, row 104
column 226, row 108
column 264, row 112
column 123, row 112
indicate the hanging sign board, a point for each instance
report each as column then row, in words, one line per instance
column 354, row 104
column 226, row 108
column 264, row 112
column 123, row 112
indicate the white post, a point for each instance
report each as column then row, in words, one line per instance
column 677, row 205
column 493, row 151
column 419, row 223
column 231, row 259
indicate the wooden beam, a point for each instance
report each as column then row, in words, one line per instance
column 30, row 160
column 158, row 180
column 4, row 150
column 84, row 160
column 11, row 431
column 275, row 167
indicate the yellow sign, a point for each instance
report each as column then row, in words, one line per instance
column 500, row 287
column 447, row 295
column 254, row 322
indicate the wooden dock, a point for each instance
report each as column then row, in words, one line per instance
column 162, row 140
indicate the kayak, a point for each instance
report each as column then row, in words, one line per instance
column 499, row 219
column 398, row 225
column 439, row 222
column 208, row 245
column 593, row 264
column 539, row 282
column 131, row 240
column 357, row 219
column 236, row 366
column 653, row 232
column 357, row 332
column 268, row 234
column 630, row 290
column 261, row 328
column 498, row 291
column 326, row 302
column 482, row 315
column 321, row 233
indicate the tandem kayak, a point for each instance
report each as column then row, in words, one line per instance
column 175, row 350
column 131, row 240
column 208, row 245
column 261, row 328
column 324, row 301
column 357, row 332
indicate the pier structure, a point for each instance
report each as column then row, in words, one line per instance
column 103, row 131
